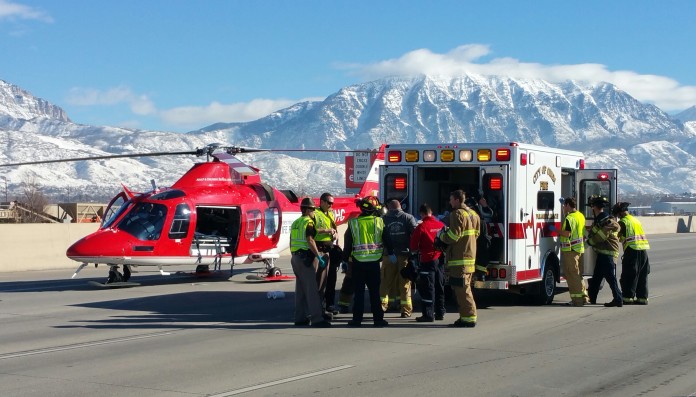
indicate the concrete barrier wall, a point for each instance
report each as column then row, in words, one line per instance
column 43, row 246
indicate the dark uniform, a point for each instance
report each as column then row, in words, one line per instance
column 398, row 226
column 635, row 265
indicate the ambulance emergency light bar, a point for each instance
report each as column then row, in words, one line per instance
column 448, row 155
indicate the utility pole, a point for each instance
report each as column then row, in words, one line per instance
column 5, row 178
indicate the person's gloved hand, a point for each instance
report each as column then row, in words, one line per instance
column 552, row 227
column 344, row 267
column 322, row 262
column 392, row 258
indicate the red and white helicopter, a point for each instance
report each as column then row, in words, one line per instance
column 218, row 213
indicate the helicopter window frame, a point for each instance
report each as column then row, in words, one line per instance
column 254, row 220
column 272, row 216
column 181, row 222
column 144, row 221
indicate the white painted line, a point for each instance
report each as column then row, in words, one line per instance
column 281, row 381
column 81, row 345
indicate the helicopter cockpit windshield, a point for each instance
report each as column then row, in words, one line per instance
column 145, row 221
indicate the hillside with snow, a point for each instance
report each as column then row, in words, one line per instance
column 654, row 152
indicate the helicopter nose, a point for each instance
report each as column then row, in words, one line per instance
column 102, row 243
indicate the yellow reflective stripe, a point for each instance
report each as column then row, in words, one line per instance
column 406, row 302
column 468, row 319
column 451, row 235
column 469, row 232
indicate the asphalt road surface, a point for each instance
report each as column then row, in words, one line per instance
column 186, row 336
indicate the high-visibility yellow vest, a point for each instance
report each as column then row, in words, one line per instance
column 575, row 241
column 298, row 233
column 367, row 238
column 635, row 236
column 323, row 221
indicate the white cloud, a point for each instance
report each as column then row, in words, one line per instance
column 10, row 10
column 197, row 116
column 139, row 104
column 662, row 91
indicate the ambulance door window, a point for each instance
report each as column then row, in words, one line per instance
column 589, row 189
column 396, row 187
column 493, row 193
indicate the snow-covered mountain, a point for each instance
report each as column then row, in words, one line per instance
column 654, row 152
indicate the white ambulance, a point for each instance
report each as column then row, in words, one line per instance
column 524, row 186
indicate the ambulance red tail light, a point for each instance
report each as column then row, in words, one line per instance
column 502, row 273
column 493, row 273
column 523, row 159
column 394, row 156
column 496, row 183
column 400, row 183
column 603, row 176
column 502, row 154
column 581, row 164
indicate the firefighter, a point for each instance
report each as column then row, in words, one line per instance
column 305, row 262
column 326, row 239
column 364, row 245
column 572, row 249
column 460, row 238
column 431, row 275
column 398, row 227
column 604, row 239
column 635, row 265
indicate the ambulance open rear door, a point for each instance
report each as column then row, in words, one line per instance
column 494, row 188
column 590, row 183
column 397, row 183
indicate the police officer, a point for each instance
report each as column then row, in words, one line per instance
column 572, row 248
column 431, row 277
column 635, row 265
column 327, row 234
column 398, row 227
column 464, row 227
column 305, row 262
column 364, row 245
column 604, row 239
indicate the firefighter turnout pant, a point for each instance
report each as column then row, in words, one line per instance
column 307, row 298
column 431, row 287
column 605, row 269
column 460, row 281
column 366, row 274
column 392, row 281
column 345, row 296
column 572, row 270
column 635, row 268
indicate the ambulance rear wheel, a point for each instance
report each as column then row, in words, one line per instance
column 546, row 289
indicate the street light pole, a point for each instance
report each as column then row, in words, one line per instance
column 5, row 178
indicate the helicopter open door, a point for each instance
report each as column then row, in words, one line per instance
column 117, row 207
column 217, row 231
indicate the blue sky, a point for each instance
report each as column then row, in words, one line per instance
column 176, row 65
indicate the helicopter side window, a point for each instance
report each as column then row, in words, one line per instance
column 253, row 226
column 144, row 221
column 272, row 217
column 181, row 221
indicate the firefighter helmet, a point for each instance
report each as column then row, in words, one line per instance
column 370, row 205
column 598, row 201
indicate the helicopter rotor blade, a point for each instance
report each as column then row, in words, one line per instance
column 114, row 156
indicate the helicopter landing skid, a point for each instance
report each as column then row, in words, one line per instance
column 256, row 277
column 124, row 284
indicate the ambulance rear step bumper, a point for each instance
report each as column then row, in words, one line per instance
column 492, row 284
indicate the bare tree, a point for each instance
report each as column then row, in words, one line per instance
column 33, row 202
